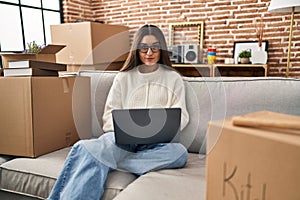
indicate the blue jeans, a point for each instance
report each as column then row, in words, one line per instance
column 86, row 168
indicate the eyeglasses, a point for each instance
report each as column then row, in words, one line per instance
column 154, row 48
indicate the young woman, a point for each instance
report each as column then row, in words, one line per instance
column 146, row 81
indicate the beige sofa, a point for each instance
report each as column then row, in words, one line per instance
column 207, row 99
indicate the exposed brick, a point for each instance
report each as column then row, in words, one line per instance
column 224, row 23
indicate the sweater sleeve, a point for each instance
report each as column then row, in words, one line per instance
column 113, row 101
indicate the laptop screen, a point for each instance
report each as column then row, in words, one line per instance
column 146, row 126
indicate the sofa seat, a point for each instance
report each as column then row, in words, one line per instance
column 35, row 177
column 185, row 183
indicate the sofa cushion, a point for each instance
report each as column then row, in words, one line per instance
column 185, row 183
column 35, row 177
column 101, row 82
column 214, row 98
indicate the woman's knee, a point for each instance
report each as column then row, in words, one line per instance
column 184, row 154
column 109, row 136
column 181, row 156
column 180, row 148
column 78, row 144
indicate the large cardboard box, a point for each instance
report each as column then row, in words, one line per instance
column 89, row 43
column 47, row 54
column 253, row 162
column 36, row 113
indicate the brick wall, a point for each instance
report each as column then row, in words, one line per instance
column 77, row 10
column 225, row 22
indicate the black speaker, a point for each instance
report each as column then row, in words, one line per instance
column 173, row 53
column 176, row 53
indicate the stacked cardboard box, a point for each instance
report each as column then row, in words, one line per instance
column 42, row 114
column 91, row 44
column 47, row 54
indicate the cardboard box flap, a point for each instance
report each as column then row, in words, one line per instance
column 268, row 119
column 49, row 49
column 264, row 124
column 16, row 55
column 47, row 54
column 52, row 49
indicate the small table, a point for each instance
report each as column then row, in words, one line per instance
column 203, row 69
column 216, row 66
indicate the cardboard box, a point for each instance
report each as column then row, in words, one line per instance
column 252, row 163
column 36, row 113
column 89, row 43
column 47, row 54
column 115, row 66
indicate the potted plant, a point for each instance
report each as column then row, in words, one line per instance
column 33, row 48
column 245, row 56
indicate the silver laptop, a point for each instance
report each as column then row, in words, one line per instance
column 146, row 126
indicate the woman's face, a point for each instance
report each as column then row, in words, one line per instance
column 149, row 50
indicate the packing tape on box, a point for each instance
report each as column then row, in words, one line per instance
column 66, row 86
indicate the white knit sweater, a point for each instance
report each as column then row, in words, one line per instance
column 163, row 88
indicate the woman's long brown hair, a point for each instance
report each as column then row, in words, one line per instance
column 133, row 59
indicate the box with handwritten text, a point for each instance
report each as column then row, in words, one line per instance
column 257, row 160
